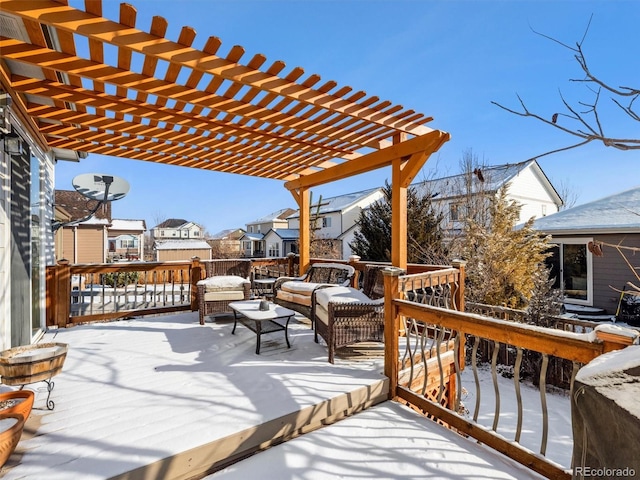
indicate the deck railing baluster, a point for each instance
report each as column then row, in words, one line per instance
column 496, row 388
column 543, row 403
column 439, row 339
column 516, row 381
column 476, row 376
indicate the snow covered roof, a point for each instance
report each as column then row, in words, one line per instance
column 287, row 233
column 339, row 203
column 281, row 214
column 618, row 213
column 171, row 223
column 228, row 234
column 252, row 236
column 486, row 178
column 182, row 245
column 121, row 224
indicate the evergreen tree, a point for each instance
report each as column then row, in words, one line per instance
column 424, row 231
column 503, row 263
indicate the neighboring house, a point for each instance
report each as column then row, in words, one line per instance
column 280, row 242
column 337, row 215
column 612, row 223
column 171, row 250
column 98, row 239
column 126, row 239
column 526, row 183
column 227, row 244
column 252, row 245
column 252, row 242
column 177, row 229
column 79, row 240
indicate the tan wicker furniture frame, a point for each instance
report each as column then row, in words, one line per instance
column 213, row 268
column 350, row 323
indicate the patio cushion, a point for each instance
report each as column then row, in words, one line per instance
column 336, row 295
column 295, row 298
column 300, row 288
column 298, row 292
column 224, row 295
column 224, row 283
column 340, row 295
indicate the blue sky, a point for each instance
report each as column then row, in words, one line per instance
column 447, row 59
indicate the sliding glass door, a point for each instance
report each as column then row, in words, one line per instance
column 571, row 269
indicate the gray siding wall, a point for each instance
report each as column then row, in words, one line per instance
column 612, row 270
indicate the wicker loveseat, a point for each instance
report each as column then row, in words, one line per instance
column 345, row 315
column 227, row 280
column 296, row 293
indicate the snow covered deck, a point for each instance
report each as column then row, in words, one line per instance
column 164, row 397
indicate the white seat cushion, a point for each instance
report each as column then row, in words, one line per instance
column 224, row 283
column 299, row 288
column 339, row 295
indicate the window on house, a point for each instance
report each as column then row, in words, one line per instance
column 326, row 222
column 196, row 234
column 274, row 250
column 128, row 243
column 544, row 210
column 455, row 212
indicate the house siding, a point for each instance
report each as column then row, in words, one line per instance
column 5, row 257
column 65, row 244
column 91, row 249
column 611, row 270
column 528, row 189
column 182, row 255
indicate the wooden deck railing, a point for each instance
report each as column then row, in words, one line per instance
column 440, row 340
column 97, row 292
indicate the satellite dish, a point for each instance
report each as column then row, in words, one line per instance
column 103, row 188
column 98, row 187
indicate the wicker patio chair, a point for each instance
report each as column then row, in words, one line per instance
column 296, row 293
column 227, row 280
column 345, row 315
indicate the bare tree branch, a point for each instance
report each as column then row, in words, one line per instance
column 590, row 125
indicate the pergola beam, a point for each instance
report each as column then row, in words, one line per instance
column 424, row 145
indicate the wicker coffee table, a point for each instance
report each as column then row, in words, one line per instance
column 259, row 321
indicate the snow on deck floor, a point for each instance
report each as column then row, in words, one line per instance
column 388, row 441
column 137, row 392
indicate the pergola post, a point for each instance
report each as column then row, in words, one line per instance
column 302, row 198
column 398, row 217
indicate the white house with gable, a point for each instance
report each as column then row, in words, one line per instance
column 338, row 215
column 526, row 184
column 177, row 229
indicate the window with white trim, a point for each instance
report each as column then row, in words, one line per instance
column 274, row 250
column 572, row 270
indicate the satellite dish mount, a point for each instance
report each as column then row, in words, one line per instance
column 98, row 187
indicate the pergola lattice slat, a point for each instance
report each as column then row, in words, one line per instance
column 108, row 87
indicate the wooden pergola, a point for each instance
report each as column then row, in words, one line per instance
column 233, row 115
